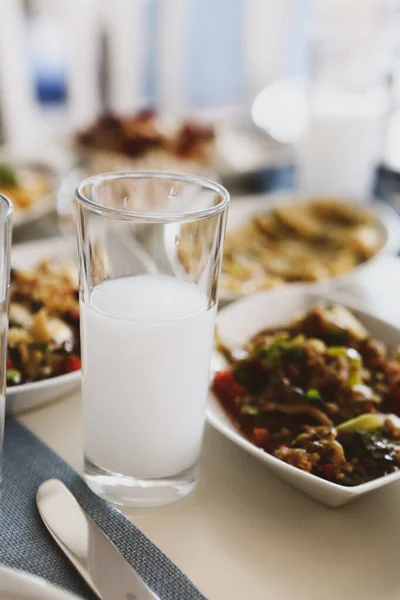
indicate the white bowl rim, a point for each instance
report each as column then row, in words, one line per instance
column 32, row 386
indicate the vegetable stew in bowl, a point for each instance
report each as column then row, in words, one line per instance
column 319, row 394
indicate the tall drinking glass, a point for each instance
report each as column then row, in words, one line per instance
column 5, row 251
column 150, row 246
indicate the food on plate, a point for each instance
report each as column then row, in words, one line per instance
column 23, row 185
column 114, row 141
column 298, row 242
column 43, row 334
column 319, row 394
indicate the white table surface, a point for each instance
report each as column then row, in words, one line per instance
column 245, row 535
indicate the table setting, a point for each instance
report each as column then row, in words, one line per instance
column 199, row 322
column 214, row 516
column 214, row 519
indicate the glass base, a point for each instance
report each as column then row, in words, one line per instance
column 139, row 493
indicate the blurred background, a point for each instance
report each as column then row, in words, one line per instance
column 302, row 95
column 185, row 54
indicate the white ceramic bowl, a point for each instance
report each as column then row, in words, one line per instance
column 30, row 395
column 242, row 209
column 244, row 318
column 16, row 585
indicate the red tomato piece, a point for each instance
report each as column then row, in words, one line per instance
column 224, row 384
column 74, row 314
column 73, row 363
column 261, row 436
column 329, row 471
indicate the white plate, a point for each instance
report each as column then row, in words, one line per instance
column 30, row 395
column 41, row 206
column 244, row 318
column 243, row 208
column 16, row 585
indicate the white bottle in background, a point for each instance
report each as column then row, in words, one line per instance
column 348, row 98
column 343, row 143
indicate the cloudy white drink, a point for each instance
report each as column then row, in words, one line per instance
column 146, row 346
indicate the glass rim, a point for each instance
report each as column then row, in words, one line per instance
column 155, row 217
column 4, row 216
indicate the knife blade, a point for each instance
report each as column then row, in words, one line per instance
column 90, row 551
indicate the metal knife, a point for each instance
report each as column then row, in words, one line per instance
column 93, row 555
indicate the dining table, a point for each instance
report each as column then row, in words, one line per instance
column 243, row 534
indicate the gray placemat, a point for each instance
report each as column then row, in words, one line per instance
column 25, row 543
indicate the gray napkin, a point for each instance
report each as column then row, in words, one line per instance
column 25, row 543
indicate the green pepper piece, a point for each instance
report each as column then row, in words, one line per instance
column 272, row 355
column 14, row 376
column 355, row 360
column 8, row 175
column 247, row 409
column 313, row 394
column 337, row 351
column 366, row 422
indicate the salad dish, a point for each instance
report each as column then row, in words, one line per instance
column 43, row 335
column 40, row 271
